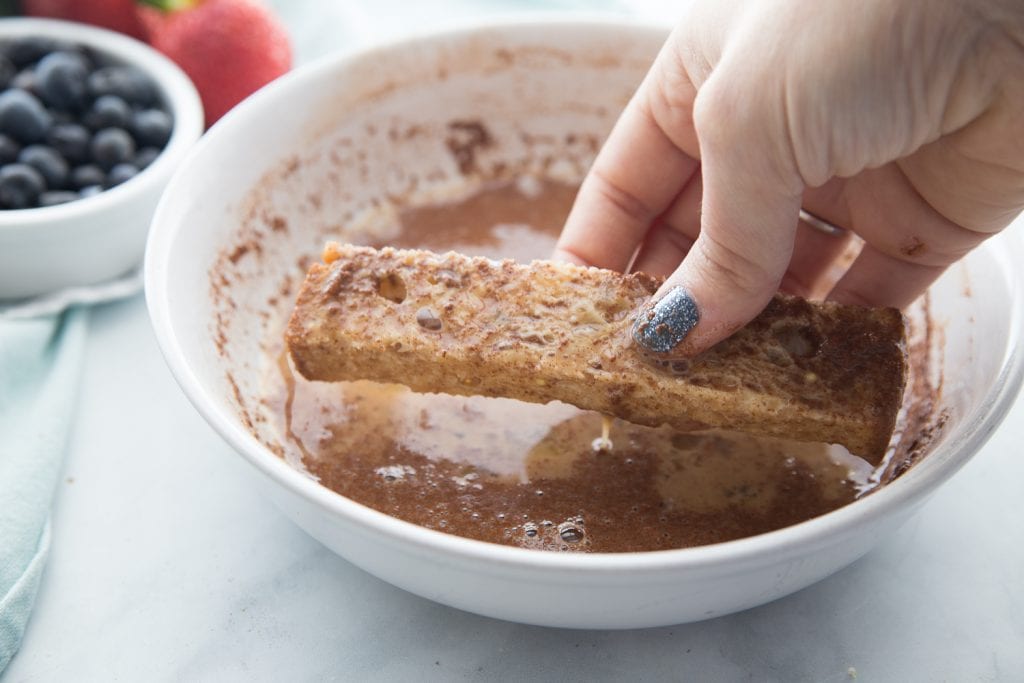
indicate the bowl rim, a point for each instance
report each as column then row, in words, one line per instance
column 179, row 93
column 906, row 491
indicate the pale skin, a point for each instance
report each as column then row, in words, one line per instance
column 899, row 120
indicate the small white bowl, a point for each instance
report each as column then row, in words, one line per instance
column 277, row 176
column 101, row 237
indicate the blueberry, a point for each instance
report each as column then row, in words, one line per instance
column 23, row 117
column 7, row 72
column 48, row 161
column 28, row 50
column 25, row 80
column 61, row 116
column 127, row 82
column 60, row 79
column 121, row 173
column 79, row 54
column 151, row 127
column 55, row 197
column 9, row 149
column 71, row 140
column 145, row 156
column 108, row 111
column 90, row 191
column 20, row 186
column 112, row 146
column 86, row 176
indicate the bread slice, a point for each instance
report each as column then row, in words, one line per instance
column 455, row 324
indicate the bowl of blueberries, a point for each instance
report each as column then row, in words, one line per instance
column 92, row 125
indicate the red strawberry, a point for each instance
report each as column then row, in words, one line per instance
column 117, row 15
column 229, row 48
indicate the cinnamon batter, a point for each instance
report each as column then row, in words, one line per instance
column 536, row 476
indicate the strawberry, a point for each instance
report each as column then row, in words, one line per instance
column 229, row 48
column 117, row 15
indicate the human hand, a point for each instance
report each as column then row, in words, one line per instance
column 900, row 120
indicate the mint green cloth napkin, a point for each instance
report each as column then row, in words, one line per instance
column 40, row 364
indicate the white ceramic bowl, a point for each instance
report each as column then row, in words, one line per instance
column 304, row 159
column 98, row 238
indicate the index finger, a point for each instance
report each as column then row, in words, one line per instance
column 637, row 174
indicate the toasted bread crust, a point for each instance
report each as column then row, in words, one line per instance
column 547, row 331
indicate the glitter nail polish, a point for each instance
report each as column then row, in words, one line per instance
column 661, row 326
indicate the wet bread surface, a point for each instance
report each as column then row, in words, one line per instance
column 461, row 325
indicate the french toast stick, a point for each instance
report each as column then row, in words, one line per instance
column 455, row 324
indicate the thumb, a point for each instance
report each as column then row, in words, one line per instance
column 749, row 217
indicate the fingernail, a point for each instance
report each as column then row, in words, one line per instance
column 661, row 326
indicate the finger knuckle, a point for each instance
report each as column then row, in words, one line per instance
column 711, row 109
column 919, row 251
column 669, row 98
column 615, row 194
column 736, row 270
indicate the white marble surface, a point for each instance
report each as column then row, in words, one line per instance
column 167, row 566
